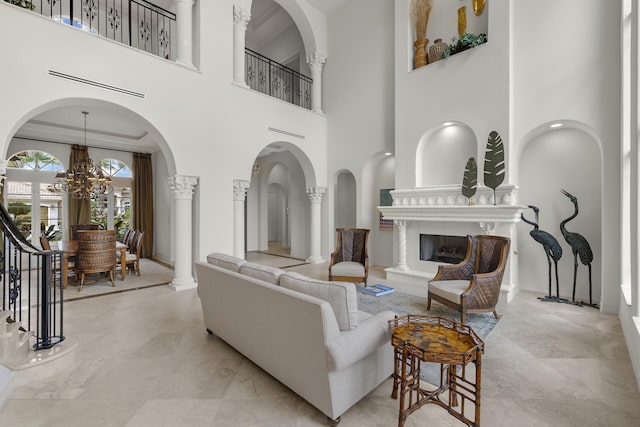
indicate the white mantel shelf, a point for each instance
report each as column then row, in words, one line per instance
column 484, row 213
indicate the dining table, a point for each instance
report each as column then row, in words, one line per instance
column 69, row 248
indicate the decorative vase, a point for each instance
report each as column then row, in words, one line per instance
column 478, row 6
column 420, row 56
column 436, row 51
column 462, row 20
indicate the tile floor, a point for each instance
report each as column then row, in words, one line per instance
column 145, row 359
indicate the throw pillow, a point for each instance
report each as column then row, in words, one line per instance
column 226, row 261
column 262, row 272
column 342, row 296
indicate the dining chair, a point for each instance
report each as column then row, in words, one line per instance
column 77, row 227
column 95, row 254
column 133, row 255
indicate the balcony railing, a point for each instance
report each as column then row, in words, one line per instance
column 31, row 285
column 274, row 79
column 137, row 23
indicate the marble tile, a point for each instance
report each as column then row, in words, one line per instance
column 144, row 358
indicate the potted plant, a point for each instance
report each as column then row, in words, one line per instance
column 22, row 3
column 463, row 42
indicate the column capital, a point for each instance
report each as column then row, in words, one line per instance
column 182, row 186
column 400, row 223
column 241, row 15
column 240, row 188
column 316, row 60
column 315, row 194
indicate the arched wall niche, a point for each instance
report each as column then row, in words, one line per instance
column 345, row 200
column 442, row 154
column 550, row 159
column 378, row 174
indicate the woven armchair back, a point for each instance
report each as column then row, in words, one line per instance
column 96, row 251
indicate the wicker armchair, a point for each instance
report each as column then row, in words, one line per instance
column 95, row 253
column 472, row 286
column 350, row 260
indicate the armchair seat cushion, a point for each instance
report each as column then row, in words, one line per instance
column 348, row 268
column 449, row 289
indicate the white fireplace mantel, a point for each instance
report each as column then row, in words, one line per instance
column 443, row 209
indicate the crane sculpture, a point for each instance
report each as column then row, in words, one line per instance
column 552, row 250
column 579, row 246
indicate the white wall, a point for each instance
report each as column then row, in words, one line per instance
column 359, row 101
column 204, row 125
column 162, row 211
column 345, row 200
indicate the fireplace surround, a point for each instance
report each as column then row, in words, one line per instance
column 442, row 210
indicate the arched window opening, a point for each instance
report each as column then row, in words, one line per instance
column 29, row 195
column 113, row 210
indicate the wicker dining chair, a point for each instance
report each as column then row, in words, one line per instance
column 77, row 227
column 133, row 255
column 473, row 285
column 95, row 254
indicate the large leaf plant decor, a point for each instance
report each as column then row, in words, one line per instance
column 470, row 179
column 494, row 163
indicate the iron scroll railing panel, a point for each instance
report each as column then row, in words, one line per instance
column 31, row 288
column 272, row 78
column 136, row 23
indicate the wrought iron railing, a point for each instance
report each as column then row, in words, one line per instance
column 137, row 23
column 31, row 285
column 274, row 79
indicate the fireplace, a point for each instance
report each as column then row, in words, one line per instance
column 441, row 248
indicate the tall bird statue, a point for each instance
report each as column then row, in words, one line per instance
column 579, row 246
column 552, row 248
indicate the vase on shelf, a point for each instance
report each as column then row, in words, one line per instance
column 420, row 56
column 436, row 51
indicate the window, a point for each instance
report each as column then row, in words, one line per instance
column 30, row 178
column 113, row 211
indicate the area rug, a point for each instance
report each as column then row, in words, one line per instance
column 151, row 274
column 403, row 304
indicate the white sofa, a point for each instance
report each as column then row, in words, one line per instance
column 296, row 337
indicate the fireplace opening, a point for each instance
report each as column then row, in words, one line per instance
column 440, row 248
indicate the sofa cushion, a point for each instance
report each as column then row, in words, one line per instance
column 348, row 268
column 262, row 272
column 449, row 289
column 341, row 295
column 226, row 261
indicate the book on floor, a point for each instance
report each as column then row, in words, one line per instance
column 377, row 289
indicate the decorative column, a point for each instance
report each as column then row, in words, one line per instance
column 316, row 63
column 402, row 244
column 315, row 195
column 239, row 196
column 184, row 30
column 241, row 18
column 182, row 188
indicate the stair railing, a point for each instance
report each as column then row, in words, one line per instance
column 31, row 285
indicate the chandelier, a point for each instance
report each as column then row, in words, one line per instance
column 85, row 180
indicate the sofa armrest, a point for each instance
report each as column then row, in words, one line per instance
column 351, row 346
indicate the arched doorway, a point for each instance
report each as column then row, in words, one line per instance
column 277, row 209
